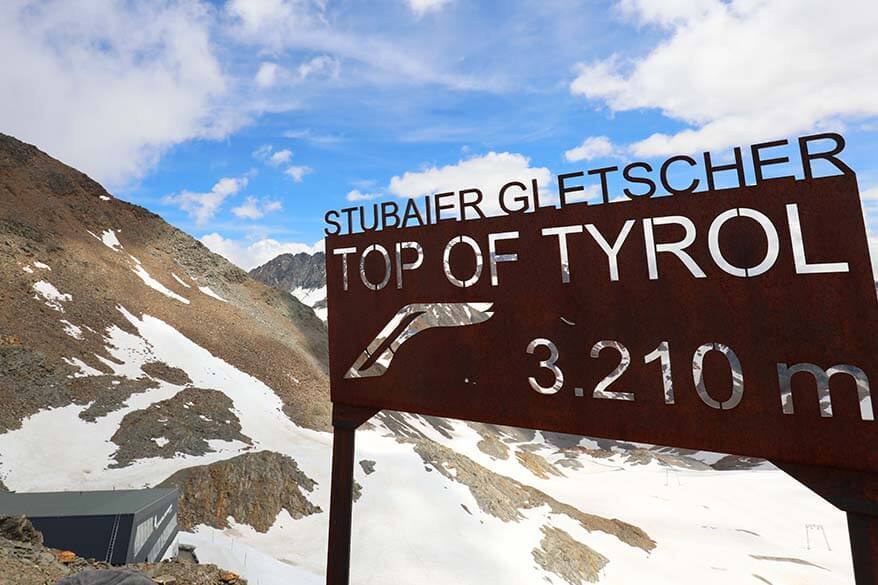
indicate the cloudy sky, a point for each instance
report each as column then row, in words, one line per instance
column 242, row 121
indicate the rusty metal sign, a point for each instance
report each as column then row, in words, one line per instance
column 757, row 338
column 736, row 320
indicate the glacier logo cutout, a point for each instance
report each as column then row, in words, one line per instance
column 406, row 323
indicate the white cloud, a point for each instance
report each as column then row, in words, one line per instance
column 281, row 25
column 356, row 195
column 263, row 152
column 313, row 137
column 267, row 154
column 249, row 256
column 591, row 148
column 267, row 75
column 666, row 13
column 108, row 87
column 203, row 206
column 298, row 172
column 254, row 208
column 280, row 157
column 267, row 19
column 421, row 7
column 743, row 70
column 271, row 74
column 323, row 64
column 487, row 173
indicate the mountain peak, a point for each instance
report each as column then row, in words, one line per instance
column 292, row 272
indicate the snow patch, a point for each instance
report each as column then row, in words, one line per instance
column 52, row 296
column 28, row 269
column 43, row 266
column 222, row 550
column 108, row 237
column 310, row 297
column 209, row 292
column 179, row 280
column 84, row 368
column 104, row 198
column 154, row 284
column 161, row 441
column 71, row 329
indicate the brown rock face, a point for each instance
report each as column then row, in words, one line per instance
column 573, row 561
column 182, row 424
column 252, row 488
column 163, row 371
column 537, row 464
column 19, row 529
column 505, row 498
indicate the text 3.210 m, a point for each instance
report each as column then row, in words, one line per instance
column 662, row 355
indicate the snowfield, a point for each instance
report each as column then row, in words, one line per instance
column 415, row 524
column 310, row 297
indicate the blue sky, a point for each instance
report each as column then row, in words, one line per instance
column 242, row 122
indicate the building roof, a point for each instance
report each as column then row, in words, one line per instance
column 99, row 503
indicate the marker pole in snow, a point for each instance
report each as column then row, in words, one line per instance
column 345, row 420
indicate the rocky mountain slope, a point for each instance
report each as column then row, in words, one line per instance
column 302, row 275
column 293, row 271
column 131, row 356
column 71, row 254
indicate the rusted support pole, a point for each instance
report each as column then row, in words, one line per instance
column 855, row 493
column 338, row 566
column 863, row 531
column 345, row 421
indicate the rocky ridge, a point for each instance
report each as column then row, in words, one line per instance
column 291, row 271
column 251, row 488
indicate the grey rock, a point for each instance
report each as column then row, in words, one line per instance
column 291, row 271
column 19, row 529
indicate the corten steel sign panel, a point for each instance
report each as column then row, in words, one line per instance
column 743, row 351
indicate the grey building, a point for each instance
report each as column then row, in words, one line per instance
column 118, row 527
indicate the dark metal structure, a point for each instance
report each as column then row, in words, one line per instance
column 118, row 527
column 761, row 344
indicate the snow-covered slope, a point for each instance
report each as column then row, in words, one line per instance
column 314, row 298
column 426, row 517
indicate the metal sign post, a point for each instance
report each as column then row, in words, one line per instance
column 736, row 320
